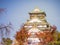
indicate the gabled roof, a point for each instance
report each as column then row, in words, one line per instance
column 35, row 20
column 37, row 11
column 34, row 30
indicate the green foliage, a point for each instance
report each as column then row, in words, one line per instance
column 59, row 36
column 54, row 43
column 56, row 37
column 6, row 41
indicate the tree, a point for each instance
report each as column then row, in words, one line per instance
column 6, row 41
column 6, row 29
column 21, row 36
column 58, row 36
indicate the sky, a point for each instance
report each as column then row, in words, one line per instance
column 16, row 12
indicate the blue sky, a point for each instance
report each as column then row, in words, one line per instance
column 16, row 12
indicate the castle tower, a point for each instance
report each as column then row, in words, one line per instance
column 36, row 24
column 36, row 31
column 37, row 20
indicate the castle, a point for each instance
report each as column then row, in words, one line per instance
column 36, row 31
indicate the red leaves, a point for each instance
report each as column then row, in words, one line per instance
column 53, row 27
column 41, row 35
column 21, row 35
column 45, row 36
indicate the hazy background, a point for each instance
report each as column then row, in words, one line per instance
column 16, row 12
